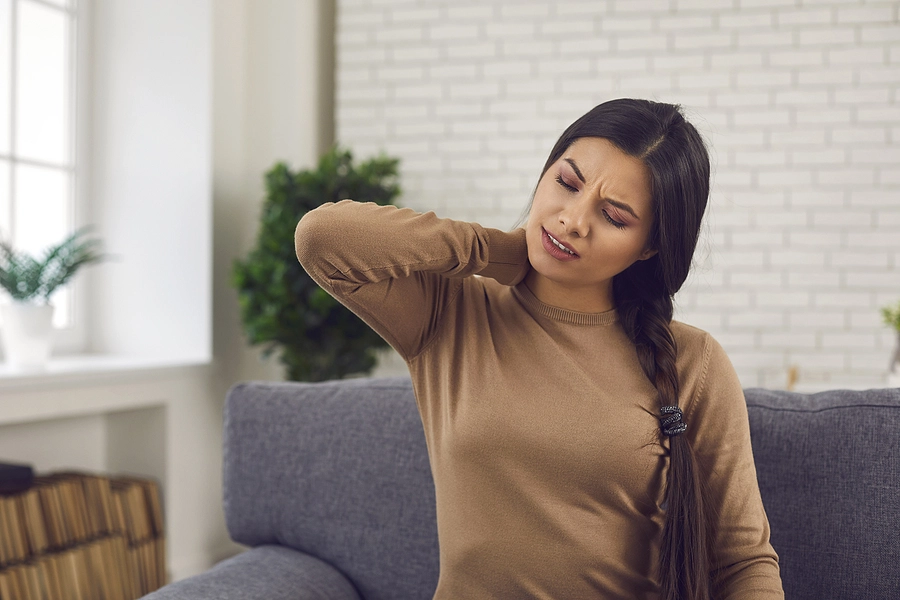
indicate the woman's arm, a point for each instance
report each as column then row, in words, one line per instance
column 397, row 268
column 745, row 566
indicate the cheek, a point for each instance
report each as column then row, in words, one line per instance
column 537, row 214
column 544, row 195
column 529, row 222
column 643, row 241
column 638, row 247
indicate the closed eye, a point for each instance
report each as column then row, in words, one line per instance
column 613, row 222
column 562, row 182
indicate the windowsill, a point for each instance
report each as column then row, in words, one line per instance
column 82, row 368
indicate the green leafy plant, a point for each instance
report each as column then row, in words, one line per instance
column 891, row 316
column 280, row 305
column 28, row 279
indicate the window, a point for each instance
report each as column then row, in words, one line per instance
column 38, row 169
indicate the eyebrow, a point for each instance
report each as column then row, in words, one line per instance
column 577, row 170
column 616, row 203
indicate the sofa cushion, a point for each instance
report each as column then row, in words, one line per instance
column 828, row 466
column 338, row 470
column 263, row 573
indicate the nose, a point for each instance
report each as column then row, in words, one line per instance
column 575, row 218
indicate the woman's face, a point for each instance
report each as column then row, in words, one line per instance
column 596, row 201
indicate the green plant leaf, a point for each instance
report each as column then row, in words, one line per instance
column 280, row 305
column 26, row 278
column 891, row 316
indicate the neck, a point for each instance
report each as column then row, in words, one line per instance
column 587, row 299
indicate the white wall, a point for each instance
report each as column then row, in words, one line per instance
column 151, row 188
column 83, row 438
column 267, row 102
column 268, row 95
column 798, row 101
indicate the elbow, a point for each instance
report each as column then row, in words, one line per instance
column 311, row 230
column 304, row 235
column 758, row 577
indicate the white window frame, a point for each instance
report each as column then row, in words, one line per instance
column 73, row 337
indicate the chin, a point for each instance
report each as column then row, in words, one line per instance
column 555, row 271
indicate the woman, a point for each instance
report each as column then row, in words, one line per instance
column 552, row 386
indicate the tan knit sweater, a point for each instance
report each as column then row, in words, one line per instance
column 542, row 430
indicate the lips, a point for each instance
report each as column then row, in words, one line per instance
column 554, row 250
column 570, row 248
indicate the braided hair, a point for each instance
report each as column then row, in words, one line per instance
column 677, row 160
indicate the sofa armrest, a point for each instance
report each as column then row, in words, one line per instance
column 264, row 572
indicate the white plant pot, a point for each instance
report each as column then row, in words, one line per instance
column 27, row 333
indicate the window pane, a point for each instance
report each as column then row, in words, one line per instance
column 42, row 90
column 42, row 208
column 41, row 220
column 61, row 299
column 5, row 83
column 4, row 200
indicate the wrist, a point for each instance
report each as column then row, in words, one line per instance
column 507, row 256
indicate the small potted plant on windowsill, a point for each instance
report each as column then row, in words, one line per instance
column 27, row 325
column 891, row 316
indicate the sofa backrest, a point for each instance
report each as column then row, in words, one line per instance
column 338, row 470
column 828, row 466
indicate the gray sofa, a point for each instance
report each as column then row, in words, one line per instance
column 330, row 485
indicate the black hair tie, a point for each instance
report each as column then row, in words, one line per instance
column 672, row 424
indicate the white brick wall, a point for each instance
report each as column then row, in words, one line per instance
column 798, row 101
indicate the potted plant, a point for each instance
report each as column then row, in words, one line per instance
column 280, row 305
column 891, row 316
column 28, row 319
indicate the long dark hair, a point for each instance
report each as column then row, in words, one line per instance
column 678, row 163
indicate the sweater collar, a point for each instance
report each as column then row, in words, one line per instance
column 556, row 313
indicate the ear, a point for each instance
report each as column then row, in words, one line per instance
column 647, row 253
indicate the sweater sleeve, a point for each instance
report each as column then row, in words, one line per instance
column 745, row 566
column 398, row 269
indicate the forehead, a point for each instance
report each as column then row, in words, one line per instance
column 620, row 176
